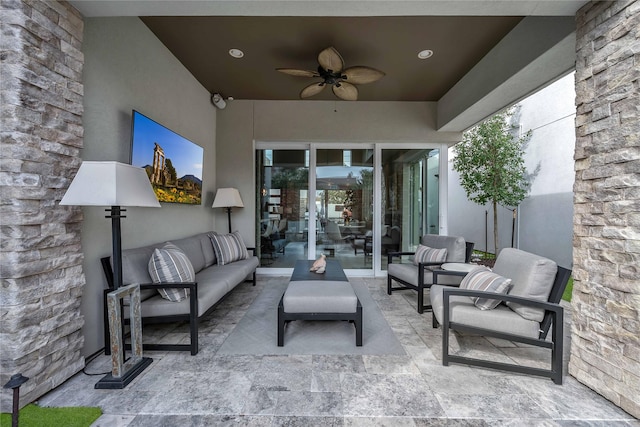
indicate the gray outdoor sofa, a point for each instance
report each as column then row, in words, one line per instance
column 212, row 283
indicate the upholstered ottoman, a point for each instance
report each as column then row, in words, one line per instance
column 319, row 300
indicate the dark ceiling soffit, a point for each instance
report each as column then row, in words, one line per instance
column 535, row 53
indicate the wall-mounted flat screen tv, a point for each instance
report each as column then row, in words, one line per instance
column 173, row 163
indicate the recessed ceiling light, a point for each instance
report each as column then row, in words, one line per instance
column 424, row 54
column 236, row 53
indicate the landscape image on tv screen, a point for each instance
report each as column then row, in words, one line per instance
column 172, row 162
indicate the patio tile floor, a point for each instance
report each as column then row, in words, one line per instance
column 318, row 390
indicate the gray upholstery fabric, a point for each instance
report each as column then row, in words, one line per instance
column 315, row 296
column 531, row 276
column 193, row 248
column 409, row 273
column 501, row 318
column 213, row 283
column 207, row 249
column 456, row 246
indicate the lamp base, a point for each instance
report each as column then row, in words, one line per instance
column 112, row 383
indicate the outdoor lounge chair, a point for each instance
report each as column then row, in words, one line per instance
column 525, row 314
column 420, row 277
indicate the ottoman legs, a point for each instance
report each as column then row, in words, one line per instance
column 284, row 318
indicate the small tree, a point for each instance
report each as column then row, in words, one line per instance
column 490, row 161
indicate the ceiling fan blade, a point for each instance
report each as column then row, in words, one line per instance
column 330, row 59
column 312, row 89
column 361, row 75
column 298, row 73
column 346, row 91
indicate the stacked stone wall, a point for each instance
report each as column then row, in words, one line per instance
column 605, row 347
column 41, row 136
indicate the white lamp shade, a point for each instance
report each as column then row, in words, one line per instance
column 110, row 184
column 227, row 198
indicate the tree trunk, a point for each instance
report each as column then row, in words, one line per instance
column 495, row 227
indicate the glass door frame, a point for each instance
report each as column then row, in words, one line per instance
column 376, row 270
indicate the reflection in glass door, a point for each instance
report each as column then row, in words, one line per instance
column 344, row 206
column 321, row 201
column 282, row 204
column 409, row 199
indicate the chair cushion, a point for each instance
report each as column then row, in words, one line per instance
column 456, row 247
column 463, row 311
column 409, row 273
column 229, row 247
column 170, row 264
column 427, row 254
column 482, row 279
column 532, row 277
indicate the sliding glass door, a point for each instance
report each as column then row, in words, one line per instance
column 409, row 198
column 282, row 203
column 355, row 204
column 344, row 206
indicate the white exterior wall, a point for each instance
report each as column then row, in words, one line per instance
column 544, row 223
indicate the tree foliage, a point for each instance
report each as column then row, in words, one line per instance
column 490, row 161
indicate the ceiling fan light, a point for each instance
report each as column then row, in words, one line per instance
column 236, row 53
column 424, row 54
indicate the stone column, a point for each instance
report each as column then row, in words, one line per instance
column 605, row 347
column 40, row 255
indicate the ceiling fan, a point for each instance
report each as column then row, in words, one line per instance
column 331, row 71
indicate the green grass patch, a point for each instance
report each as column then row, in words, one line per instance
column 568, row 291
column 484, row 255
column 36, row 416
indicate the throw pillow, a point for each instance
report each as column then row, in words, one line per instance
column 170, row 264
column 482, row 279
column 229, row 247
column 427, row 254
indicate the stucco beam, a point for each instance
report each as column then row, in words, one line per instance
column 538, row 51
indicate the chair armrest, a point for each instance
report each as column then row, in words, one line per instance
column 448, row 292
column 390, row 255
column 437, row 273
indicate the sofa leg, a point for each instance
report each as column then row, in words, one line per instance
column 358, row 324
column 389, row 285
column 194, row 335
column 434, row 321
column 193, row 320
column 280, row 325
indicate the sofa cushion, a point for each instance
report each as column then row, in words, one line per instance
column 207, row 250
column 170, row 264
column 531, row 276
column 229, row 247
column 482, row 279
column 192, row 247
column 427, row 254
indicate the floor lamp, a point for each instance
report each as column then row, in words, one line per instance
column 228, row 198
column 115, row 185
